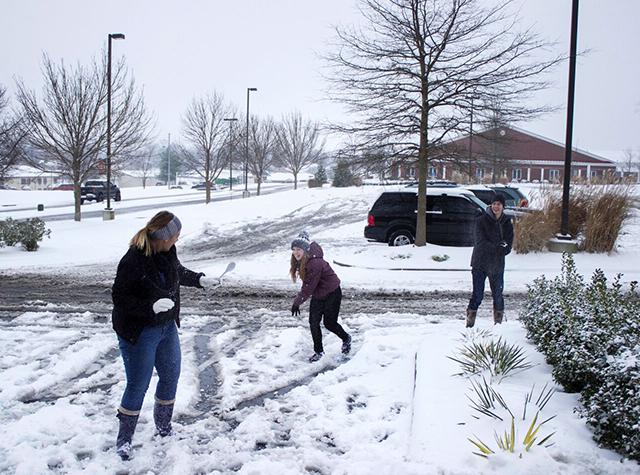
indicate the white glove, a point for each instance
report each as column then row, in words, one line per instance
column 209, row 282
column 162, row 305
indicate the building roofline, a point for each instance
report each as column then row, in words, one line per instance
column 540, row 137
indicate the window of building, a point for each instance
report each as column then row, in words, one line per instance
column 516, row 174
column 594, row 173
column 433, row 172
column 554, row 174
column 412, row 172
column 480, row 173
column 576, row 172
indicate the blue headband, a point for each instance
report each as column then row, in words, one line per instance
column 172, row 228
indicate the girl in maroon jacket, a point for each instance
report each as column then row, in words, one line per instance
column 323, row 286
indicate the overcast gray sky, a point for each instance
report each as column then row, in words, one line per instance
column 178, row 50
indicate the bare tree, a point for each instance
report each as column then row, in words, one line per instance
column 262, row 144
column 68, row 126
column 205, row 132
column 145, row 162
column 631, row 164
column 298, row 143
column 411, row 75
column 11, row 135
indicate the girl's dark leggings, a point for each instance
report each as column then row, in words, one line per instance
column 327, row 308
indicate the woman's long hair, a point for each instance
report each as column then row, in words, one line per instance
column 298, row 267
column 142, row 239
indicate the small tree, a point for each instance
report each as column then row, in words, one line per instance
column 11, row 135
column 205, row 132
column 342, row 175
column 298, row 144
column 320, row 175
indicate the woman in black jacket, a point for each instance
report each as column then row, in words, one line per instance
column 146, row 316
column 492, row 241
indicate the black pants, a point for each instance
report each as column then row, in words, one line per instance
column 329, row 308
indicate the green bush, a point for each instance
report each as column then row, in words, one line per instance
column 28, row 232
column 590, row 333
column 10, row 232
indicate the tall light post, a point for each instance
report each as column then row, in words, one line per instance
column 231, row 121
column 108, row 213
column 246, row 193
column 563, row 241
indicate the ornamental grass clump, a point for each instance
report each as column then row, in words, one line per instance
column 596, row 216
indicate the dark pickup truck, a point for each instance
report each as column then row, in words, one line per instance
column 97, row 190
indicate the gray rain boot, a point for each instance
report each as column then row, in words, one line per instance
column 162, row 417
column 471, row 317
column 498, row 315
column 125, row 434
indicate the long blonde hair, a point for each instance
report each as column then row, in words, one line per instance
column 142, row 239
column 298, row 267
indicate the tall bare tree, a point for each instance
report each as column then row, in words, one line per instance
column 146, row 162
column 298, row 143
column 205, row 132
column 262, row 145
column 11, row 135
column 410, row 74
column 67, row 126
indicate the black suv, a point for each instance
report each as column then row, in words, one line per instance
column 451, row 213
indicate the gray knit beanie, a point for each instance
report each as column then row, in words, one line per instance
column 172, row 228
column 302, row 241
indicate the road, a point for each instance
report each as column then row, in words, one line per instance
column 124, row 207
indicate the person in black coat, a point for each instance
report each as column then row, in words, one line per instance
column 146, row 317
column 492, row 242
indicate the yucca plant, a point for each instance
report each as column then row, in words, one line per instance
column 507, row 441
column 486, row 399
column 488, row 402
column 495, row 356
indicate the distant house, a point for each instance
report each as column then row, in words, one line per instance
column 508, row 154
column 26, row 177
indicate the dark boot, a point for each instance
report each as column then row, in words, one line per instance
column 125, row 434
column 315, row 357
column 498, row 315
column 162, row 416
column 471, row 317
column 346, row 345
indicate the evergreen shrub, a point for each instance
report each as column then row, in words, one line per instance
column 590, row 333
column 28, row 232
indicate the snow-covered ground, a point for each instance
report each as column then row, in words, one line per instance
column 394, row 407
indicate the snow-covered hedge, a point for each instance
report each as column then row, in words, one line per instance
column 28, row 232
column 590, row 333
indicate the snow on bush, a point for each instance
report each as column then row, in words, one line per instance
column 590, row 333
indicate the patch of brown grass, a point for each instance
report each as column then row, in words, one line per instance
column 596, row 216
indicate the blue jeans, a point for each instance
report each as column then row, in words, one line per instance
column 496, row 282
column 157, row 346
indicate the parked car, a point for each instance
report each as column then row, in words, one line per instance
column 513, row 197
column 97, row 190
column 451, row 214
column 203, row 186
column 63, row 186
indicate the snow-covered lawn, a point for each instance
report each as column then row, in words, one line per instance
column 394, row 407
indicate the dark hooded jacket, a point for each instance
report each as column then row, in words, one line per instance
column 488, row 253
column 142, row 280
column 319, row 279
